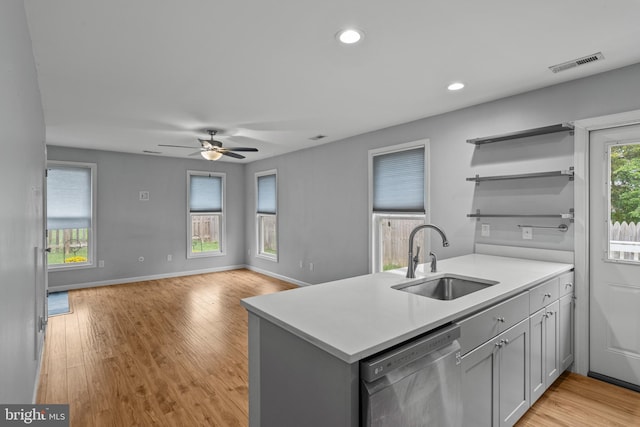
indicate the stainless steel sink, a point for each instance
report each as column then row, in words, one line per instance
column 447, row 287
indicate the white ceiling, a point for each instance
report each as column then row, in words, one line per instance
column 127, row 75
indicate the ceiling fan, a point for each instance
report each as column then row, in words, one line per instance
column 212, row 149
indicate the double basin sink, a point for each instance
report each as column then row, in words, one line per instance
column 447, row 287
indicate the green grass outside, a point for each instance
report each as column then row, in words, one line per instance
column 205, row 247
column 58, row 257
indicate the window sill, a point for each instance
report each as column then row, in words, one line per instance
column 69, row 267
column 205, row 255
column 273, row 258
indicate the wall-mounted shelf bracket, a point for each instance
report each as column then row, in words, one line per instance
column 568, row 173
column 562, row 127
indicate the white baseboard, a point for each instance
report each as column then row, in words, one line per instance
column 277, row 276
column 143, row 278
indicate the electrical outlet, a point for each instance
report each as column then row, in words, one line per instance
column 143, row 196
column 101, row 263
column 169, row 258
column 527, row 233
column 485, row 230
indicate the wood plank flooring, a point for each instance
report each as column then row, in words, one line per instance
column 173, row 352
column 576, row 400
column 169, row 352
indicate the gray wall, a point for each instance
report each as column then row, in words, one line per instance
column 22, row 156
column 323, row 215
column 128, row 228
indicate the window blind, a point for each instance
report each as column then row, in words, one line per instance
column 205, row 193
column 267, row 194
column 68, row 198
column 398, row 181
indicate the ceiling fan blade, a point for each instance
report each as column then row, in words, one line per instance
column 234, row 155
column 241, row 149
column 177, row 146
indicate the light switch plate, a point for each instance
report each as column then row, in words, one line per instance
column 527, row 233
column 485, row 231
column 143, row 196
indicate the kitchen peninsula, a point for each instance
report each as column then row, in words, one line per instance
column 305, row 344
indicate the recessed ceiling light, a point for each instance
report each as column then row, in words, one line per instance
column 455, row 86
column 349, row 36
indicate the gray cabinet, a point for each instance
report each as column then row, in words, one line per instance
column 496, row 379
column 551, row 332
column 545, row 332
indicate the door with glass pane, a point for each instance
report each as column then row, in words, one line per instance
column 615, row 254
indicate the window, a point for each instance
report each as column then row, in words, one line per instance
column 266, row 214
column 70, row 214
column 397, row 200
column 206, row 214
column 624, row 202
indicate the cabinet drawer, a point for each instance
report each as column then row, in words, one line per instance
column 543, row 294
column 481, row 327
column 565, row 281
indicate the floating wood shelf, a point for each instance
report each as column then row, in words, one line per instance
column 562, row 127
column 567, row 173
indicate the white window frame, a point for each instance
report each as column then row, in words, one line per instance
column 223, row 235
column 91, row 248
column 375, row 259
column 259, row 216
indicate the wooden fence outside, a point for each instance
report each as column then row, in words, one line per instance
column 205, row 228
column 395, row 241
column 624, row 241
column 68, row 240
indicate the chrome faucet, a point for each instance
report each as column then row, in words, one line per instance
column 413, row 261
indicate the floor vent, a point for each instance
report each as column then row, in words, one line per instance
column 576, row 62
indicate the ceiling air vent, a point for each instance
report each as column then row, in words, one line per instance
column 576, row 62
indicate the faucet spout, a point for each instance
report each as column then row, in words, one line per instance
column 411, row 268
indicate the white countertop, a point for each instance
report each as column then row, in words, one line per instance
column 360, row 316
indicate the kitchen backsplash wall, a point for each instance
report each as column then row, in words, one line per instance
column 525, row 196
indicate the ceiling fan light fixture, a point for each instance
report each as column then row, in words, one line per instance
column 349, row 36
column 211, row 154
column 455, row 86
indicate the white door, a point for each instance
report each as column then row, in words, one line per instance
column 614, row 254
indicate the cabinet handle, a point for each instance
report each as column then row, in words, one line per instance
column 568, row 285
column 505, row 341
column 500, row 319
column 499, row 344
column 547, row 295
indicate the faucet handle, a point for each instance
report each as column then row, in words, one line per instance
column 417, row 253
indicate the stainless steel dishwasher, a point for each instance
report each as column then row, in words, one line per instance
column 416, row 384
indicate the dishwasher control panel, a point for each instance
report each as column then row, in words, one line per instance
column 377, row 366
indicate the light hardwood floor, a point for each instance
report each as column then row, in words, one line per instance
column 173, row 352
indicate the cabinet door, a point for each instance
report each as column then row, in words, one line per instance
column 513, row 373
column 536, row 327
column 479, row 386
column 551, row 354
column 565, row 335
